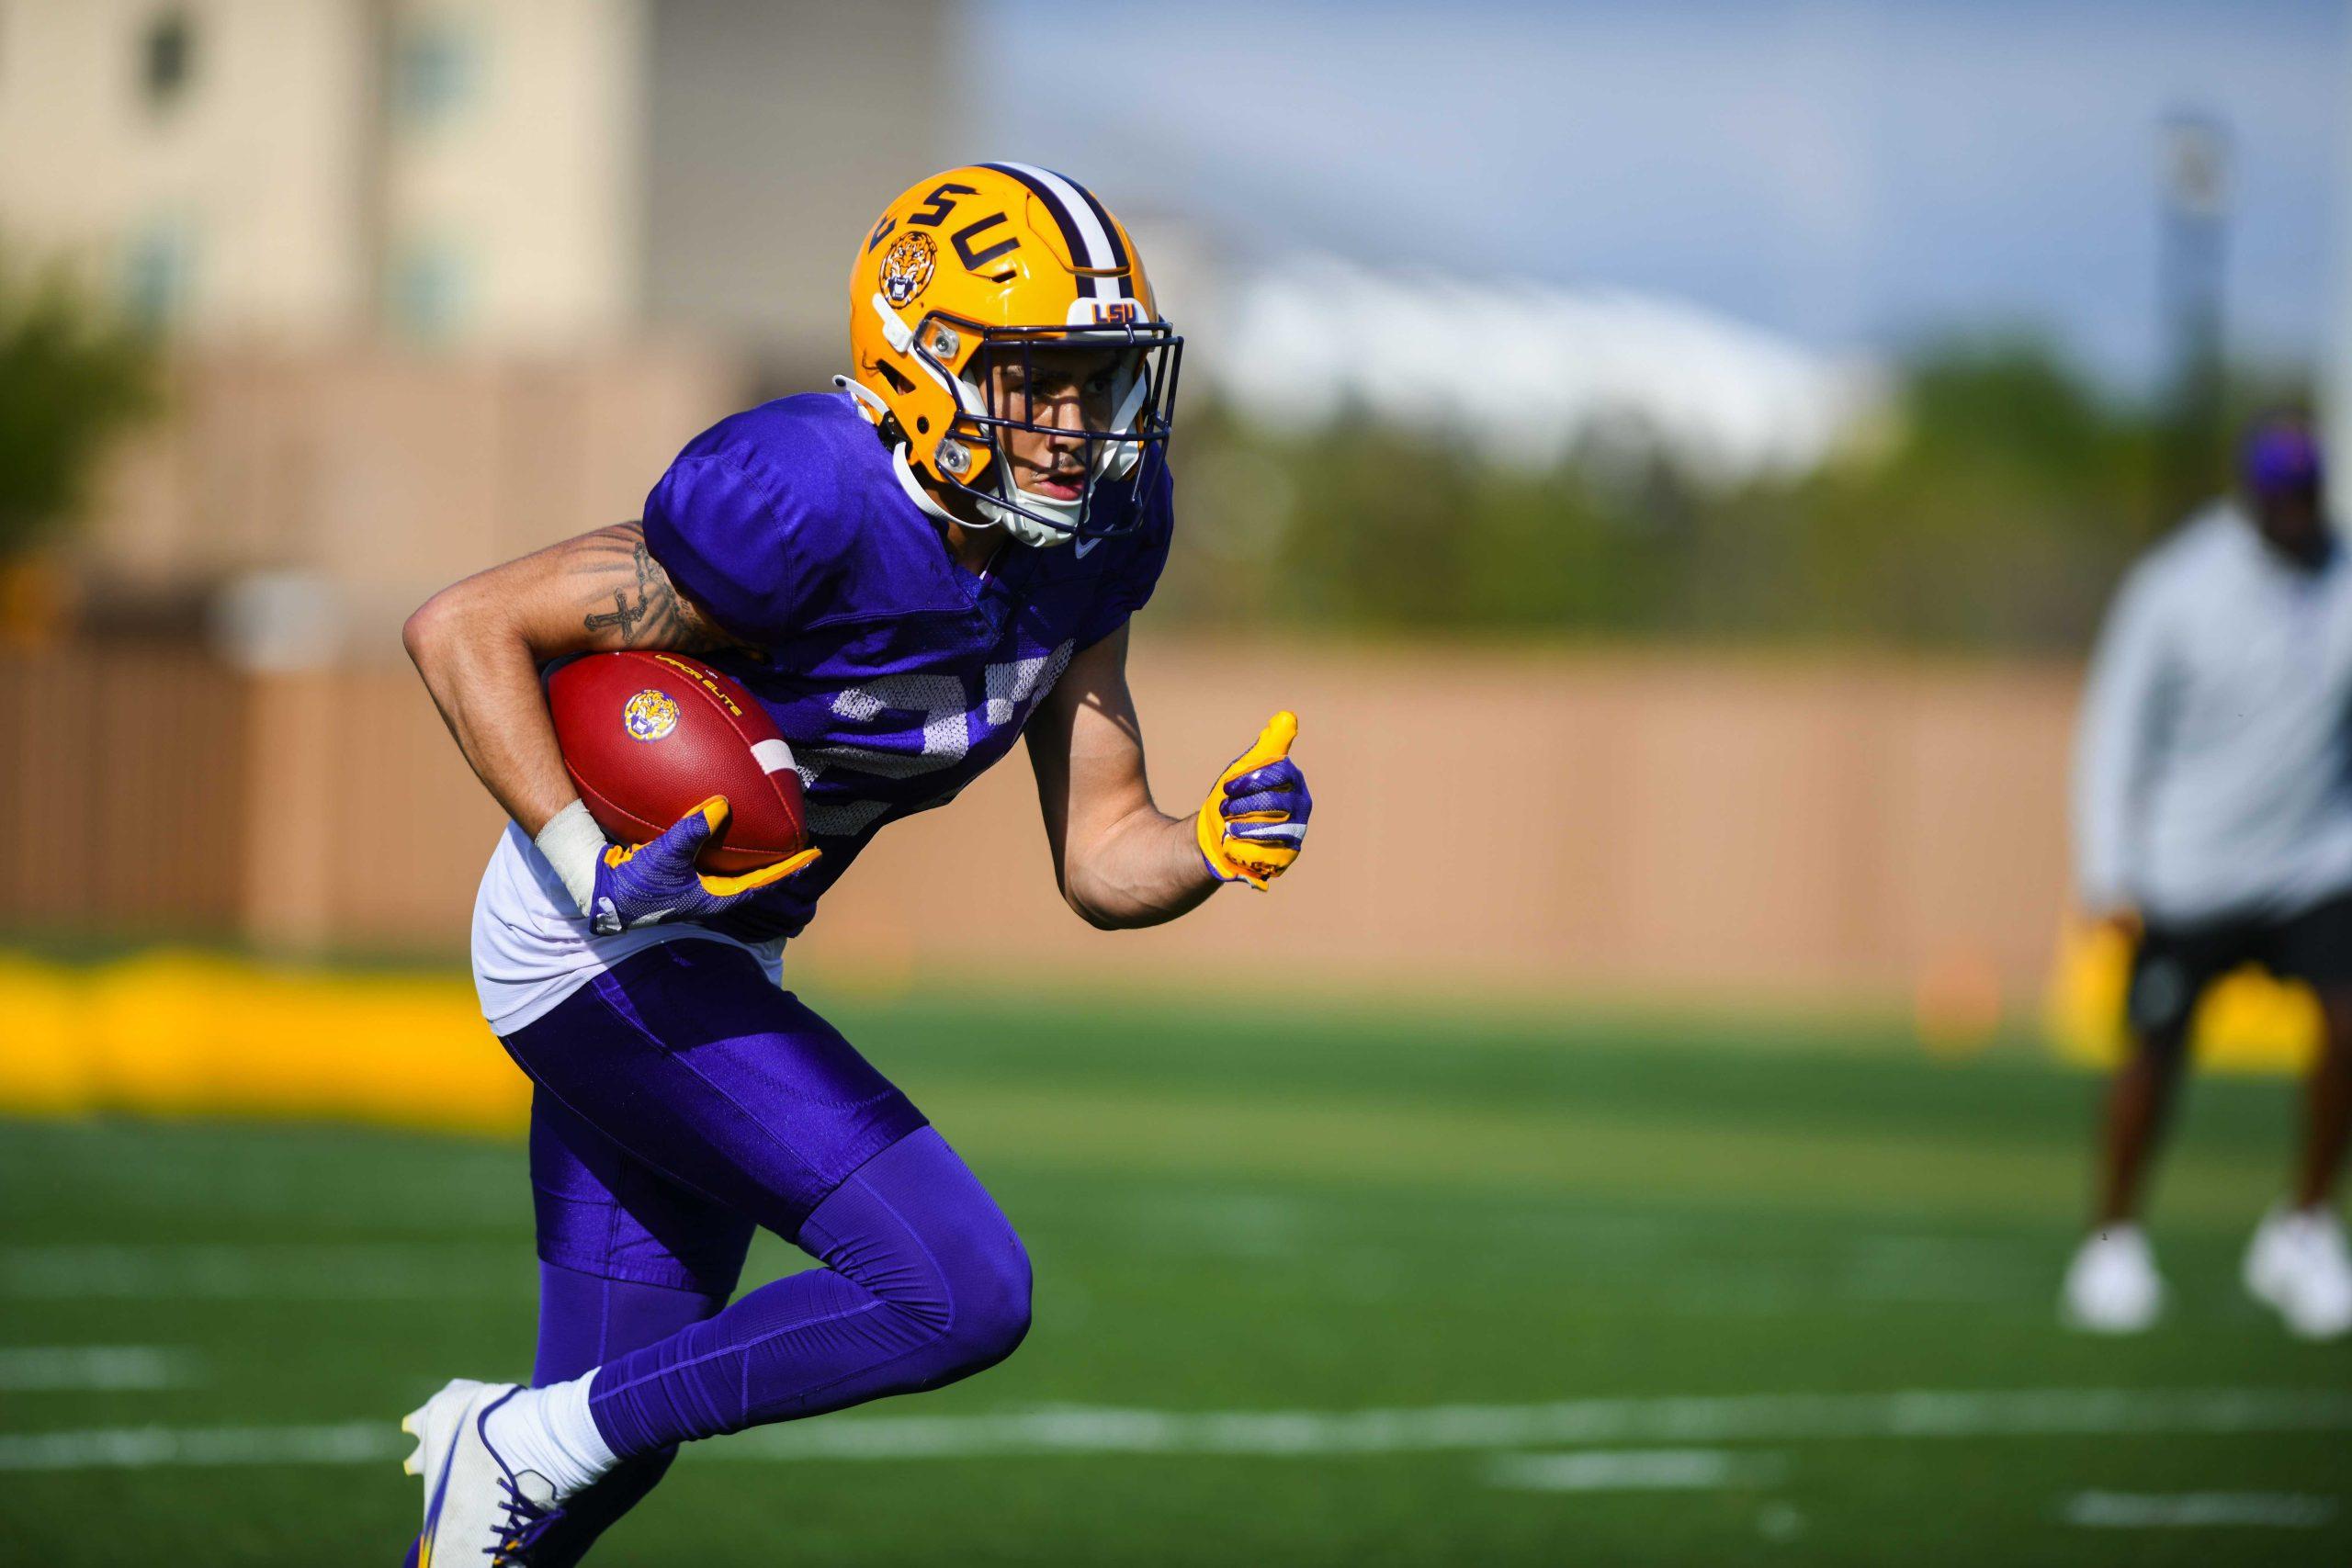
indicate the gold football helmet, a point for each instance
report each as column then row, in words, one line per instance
column 978, row 272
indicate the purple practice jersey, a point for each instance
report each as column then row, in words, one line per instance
column 896, row 676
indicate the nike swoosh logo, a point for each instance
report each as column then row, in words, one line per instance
column 1083, row 546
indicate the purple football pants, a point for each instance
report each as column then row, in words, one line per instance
column 683, row 1100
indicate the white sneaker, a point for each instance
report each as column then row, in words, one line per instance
column 2112, row 1286
column 2298, row 1264
column 477, row 1507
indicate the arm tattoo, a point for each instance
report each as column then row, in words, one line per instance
column 631, row 598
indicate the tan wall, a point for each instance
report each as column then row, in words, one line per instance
column 1709, row 829
column 1690, row 829
column 389, row 474
column 123, row 782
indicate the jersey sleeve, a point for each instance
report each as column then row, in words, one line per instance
column 1143, row 556
column 723, row 533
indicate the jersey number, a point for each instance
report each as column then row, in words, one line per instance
column 950, row 731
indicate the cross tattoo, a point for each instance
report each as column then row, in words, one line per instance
column 623, row 614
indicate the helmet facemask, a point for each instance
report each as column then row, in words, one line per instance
column 1013, row 385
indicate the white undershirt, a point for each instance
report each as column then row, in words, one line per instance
column 533, row 947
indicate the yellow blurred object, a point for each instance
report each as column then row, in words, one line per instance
column 43, row 1070
column 176, row 1034
column 2247, row 1022
column 181, row 1034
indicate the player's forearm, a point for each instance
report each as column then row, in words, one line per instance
column 480, row 644
column 1140, row 871
column 485, row 680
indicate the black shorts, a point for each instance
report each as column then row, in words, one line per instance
column 2174, row 963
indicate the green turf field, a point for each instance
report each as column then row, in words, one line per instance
column 1566, row 1262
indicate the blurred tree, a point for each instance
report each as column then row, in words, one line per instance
column 73, row 377
column 1996, row 513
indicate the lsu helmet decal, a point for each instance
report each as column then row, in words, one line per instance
column 981, row 284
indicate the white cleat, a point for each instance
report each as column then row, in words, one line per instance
column 2297, row 1265
column 2112, row 1286
column 477, row 1508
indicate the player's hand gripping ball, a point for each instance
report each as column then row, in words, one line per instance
column 649, row 737
column 1254, row 821
column 641, row 884
column 679, row 765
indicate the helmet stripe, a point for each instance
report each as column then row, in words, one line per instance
column 1101, row 230
column 1119, row 257
column 1086, row 229
column 1049, row 187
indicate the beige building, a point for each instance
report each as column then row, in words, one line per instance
column 490, row 174
column 290, row 170
column 446, row 279
column 202, row 159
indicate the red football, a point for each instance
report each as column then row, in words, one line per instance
column 649, row 737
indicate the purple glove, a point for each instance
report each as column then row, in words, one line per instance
column 646, row 883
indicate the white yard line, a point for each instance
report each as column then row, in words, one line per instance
column 1307, row 1434
column 1635, row 1469
column 1738, row 1417
column 164, row 1448
column 293, row 1272
column 1898, row 1269
column 2196, row 1510
column 44, row 1369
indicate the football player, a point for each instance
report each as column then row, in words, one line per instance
column 910, row 572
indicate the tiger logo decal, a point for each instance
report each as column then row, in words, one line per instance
column 905, row 268
column 650, row 714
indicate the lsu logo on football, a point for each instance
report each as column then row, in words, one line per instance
column 905, row 268
column 650, row 714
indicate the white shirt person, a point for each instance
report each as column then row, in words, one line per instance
column 2212, row 805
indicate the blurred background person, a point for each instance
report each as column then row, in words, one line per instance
column 2213, row 817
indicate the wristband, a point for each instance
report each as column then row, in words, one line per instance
column 573, row 843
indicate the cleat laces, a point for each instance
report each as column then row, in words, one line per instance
column 523, row 1520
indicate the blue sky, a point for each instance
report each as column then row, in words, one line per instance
column 1854, row 173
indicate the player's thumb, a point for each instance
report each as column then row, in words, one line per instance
column 1272, row 744
column 684, row 838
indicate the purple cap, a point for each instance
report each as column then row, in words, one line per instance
column 2280, row 456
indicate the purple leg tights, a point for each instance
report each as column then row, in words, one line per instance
column 684, row 1100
